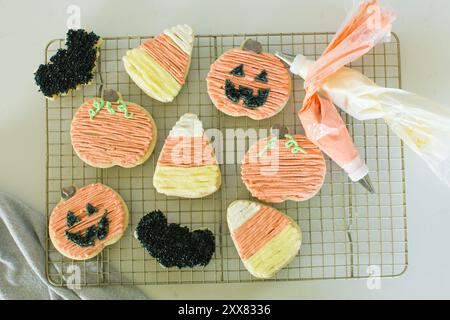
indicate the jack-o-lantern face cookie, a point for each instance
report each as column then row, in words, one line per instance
column 113, row 133
column 87, row 221
column 283, row 167
column 248, row 82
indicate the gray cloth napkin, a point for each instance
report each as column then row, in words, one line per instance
column 22, row 259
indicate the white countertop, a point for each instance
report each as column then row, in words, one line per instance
column 424, row 31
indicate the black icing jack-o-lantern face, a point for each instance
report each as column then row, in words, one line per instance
column 99, row 231
column 250, row 100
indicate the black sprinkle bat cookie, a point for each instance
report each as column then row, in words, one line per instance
column 70, row 68
column 173, row 245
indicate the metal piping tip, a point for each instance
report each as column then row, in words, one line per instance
column 367, row 184
column 287, row 58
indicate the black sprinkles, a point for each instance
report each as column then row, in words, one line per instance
column 69, row 67
column 92, row 233
column 72, row 219
column 173, row 245
column 246, row 94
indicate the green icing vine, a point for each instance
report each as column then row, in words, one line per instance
column 123, row 107
column 291, row 144
column 110, row 108
column 100, row 103
column 270, row 145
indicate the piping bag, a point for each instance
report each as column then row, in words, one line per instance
column 322, row 122
column 422, row 124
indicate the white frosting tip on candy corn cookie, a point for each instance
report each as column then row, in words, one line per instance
column 187, row 126
column 183, row 36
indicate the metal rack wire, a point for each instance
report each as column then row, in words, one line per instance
column 346, row 231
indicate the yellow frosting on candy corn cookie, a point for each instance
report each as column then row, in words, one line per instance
column 266, row 239
column 153, row 79
column 187, row 166
column 195, row 182
column 276, row 254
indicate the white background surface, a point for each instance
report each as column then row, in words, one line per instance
column 424, row 31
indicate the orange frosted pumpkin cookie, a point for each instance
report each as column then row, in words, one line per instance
column 87, row 220
column 248, row 82
column 283, row 167
column 111, row 132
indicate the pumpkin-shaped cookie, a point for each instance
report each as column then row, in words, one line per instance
column 266, row 239
column 113, row 133
column 283, row 167
column 87, row 221
column 248, row 82
column 161, row 64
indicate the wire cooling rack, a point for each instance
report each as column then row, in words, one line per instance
column 347, row 233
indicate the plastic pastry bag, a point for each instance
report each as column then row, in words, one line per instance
column 422, row 124
column 323, row 124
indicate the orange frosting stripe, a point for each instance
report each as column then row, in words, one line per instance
column 278, row 175
column 168, row 55
column 258, row 230
column 102, row 198
column 111, row 138
column 277, row 75
column 187, row 152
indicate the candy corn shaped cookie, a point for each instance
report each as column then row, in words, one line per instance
column 161, row 64
column 187, row 166
column 266, row 239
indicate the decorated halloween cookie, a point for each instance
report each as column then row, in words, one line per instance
column 248, row 82
column 266, row 239
column 283, row 167
column 70, row 68
column 187, row 166
column 87, row 220
column 160, row 65
column 109, row 132
column 173, row 245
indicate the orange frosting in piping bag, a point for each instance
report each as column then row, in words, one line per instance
column 277, row 174
column 100, row 197
column 277, row 75
column 111, row 139
column 322, row 122
column 168, row 55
